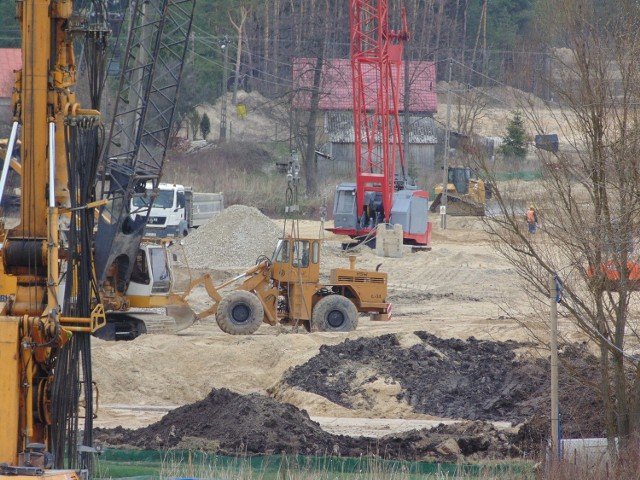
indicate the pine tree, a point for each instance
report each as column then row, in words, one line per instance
column 515, row 141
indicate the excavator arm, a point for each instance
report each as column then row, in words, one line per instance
column 139, row 136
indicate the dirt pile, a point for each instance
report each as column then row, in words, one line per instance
column 475, row 380
column 580, row 406
column 233, row 239
column 471, row 380
column 233, row 424
column 452, row 378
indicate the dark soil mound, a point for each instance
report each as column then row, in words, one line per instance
column 237, row 424
column 581, row 408
column 473, row 380
column 471, row 440
column 233, row 424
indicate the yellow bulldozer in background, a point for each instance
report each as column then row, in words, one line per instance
column 467, row 193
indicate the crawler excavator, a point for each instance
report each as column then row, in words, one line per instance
column 132, row 162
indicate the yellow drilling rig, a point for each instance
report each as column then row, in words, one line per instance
column 69, row 257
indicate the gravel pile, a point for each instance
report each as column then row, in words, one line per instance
column 233, row 239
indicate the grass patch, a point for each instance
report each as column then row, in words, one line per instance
column 185, row 464
column 247, row 175
column 525, row 176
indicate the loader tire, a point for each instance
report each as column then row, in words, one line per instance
column 334, row 313
column 240, row 313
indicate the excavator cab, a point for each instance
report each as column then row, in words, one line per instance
column 151, row 273
column 150, row 286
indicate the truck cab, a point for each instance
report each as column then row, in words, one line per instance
column 176, row 209
column 167, row 217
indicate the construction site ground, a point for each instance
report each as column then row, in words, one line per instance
column 455, row 350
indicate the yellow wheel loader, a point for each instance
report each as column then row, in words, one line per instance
column 287, row 290
column 466, row 193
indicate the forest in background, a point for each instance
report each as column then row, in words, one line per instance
column 486, row 39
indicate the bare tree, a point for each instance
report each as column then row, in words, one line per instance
column 238, row 24
column 317, row 36
column 471, row 104
column 589, row 199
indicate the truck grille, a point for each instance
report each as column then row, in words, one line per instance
column 156, row 220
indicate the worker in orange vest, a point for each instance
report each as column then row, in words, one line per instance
column 532, row 219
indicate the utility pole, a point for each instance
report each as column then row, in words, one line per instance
column 405, row 113
column 192, row 40
column 445, row 166
column 554, row 294
column 223, row 107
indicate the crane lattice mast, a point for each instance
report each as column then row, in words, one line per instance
column 376, row 61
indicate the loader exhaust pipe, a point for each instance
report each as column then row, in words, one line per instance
column 352, row 262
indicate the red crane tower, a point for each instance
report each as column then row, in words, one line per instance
column 379, row 194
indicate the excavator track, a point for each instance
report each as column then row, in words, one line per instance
column 132, row 324
column 458, row 206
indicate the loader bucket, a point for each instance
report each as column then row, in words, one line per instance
column 182, row 315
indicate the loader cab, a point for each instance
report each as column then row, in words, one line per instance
column 296, row 260
column 464, row 181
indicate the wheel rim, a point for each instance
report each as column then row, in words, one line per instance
column 240, row 313
column 335, row 318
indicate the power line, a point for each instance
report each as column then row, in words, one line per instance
column 282, row 81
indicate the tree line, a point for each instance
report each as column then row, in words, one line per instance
column 480, row 34
column 264, row 35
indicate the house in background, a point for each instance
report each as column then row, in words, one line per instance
column 336, row 101
column 10, row 60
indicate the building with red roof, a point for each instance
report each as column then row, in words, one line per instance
column 10, row 61
column 336, row 100
column 337, row 89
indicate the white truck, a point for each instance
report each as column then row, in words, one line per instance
column 177, row 209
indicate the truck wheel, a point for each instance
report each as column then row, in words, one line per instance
column 334, row 313
column 240, row 313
